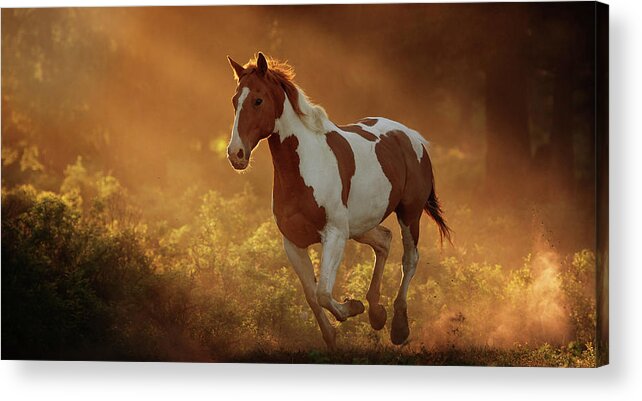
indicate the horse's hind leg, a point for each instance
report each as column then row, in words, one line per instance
column 379, row 239
column 410, row 237
column 300, row 260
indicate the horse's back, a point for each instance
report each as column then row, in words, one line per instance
column 392, row 168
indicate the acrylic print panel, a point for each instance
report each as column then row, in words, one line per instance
column 437, row 195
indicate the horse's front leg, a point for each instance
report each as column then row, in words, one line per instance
column 302, row 265
column 334, row 242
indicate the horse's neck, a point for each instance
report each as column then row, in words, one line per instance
column 291, row 123
column 290, row 145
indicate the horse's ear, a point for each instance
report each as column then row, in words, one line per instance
column 261, row 64
column 238, row 68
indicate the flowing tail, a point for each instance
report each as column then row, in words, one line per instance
column 433, row 208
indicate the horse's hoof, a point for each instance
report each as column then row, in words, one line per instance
column 354, row 307
column 377, row 315
column 400, row 330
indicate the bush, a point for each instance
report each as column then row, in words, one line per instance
column 49, row 306
column 85, row 277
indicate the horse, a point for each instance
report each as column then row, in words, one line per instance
column 335, row 183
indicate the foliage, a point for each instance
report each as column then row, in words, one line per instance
column 578, row 283
column 545, row 355
column 85, row 276
column 86, row 282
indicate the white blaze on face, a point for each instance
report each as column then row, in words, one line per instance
column 235, row 141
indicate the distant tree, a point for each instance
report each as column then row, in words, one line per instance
column 506, row 66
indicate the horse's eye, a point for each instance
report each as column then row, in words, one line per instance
column 258, row 102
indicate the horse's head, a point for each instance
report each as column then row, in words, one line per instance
column 258, row 102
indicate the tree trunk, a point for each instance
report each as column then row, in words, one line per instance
column 562, row 155
column 508, row 139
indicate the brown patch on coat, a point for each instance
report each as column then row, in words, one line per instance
column 401, row 166
column 298, row 216
column 369, row 121
column 357, row 129
column 345, row 159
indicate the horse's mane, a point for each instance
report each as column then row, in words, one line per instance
column 283, row 74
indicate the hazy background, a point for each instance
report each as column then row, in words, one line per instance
column 123, row 116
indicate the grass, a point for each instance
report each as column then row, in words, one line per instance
column 572, row 355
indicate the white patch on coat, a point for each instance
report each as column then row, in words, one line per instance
column 418, row 142
column 314, row 116
column 235, row 140
column 318, row 166
column 370, row 188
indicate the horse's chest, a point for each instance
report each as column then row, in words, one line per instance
column 298, row 214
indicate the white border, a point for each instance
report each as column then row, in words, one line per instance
column 620, row 380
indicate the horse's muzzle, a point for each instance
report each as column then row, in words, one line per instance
column 239, row 159
column 242, row 165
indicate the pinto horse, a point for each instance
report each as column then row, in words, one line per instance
column 334, row 183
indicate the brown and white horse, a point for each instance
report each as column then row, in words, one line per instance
column 334, row 183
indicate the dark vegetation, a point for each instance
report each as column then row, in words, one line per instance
column 126, row 235
column 572, row 355
column 83, row 284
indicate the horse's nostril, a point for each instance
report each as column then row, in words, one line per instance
column 239, row 154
